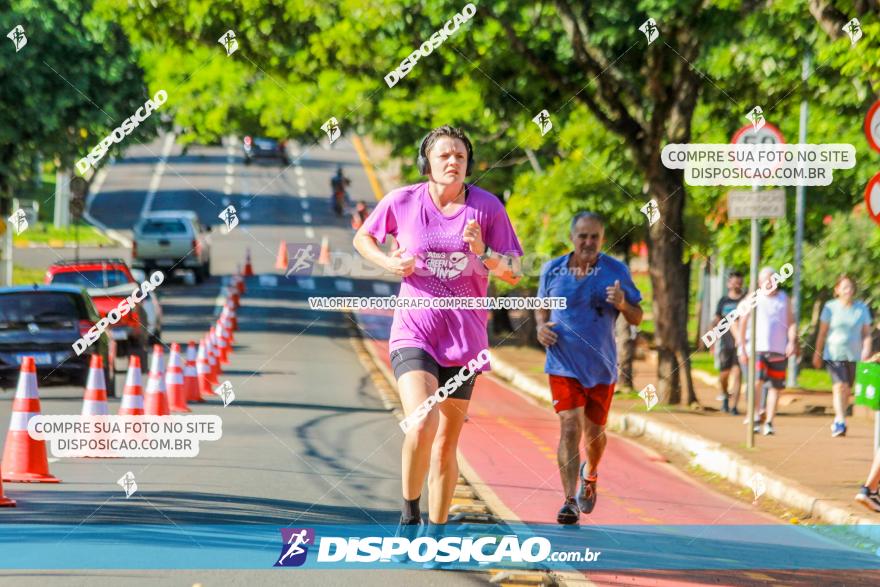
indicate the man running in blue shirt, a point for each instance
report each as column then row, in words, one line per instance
column 581, row 352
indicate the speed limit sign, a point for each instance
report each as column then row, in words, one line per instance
column 766, row 135
column 872, row 126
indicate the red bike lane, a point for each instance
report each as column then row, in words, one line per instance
column 510, row 442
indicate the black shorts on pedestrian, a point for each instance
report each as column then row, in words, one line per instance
column 726, row 359
column 415, row 359
column 841, row 371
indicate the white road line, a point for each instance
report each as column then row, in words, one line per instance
column 157, row 174
column 309, row 232
column 305, row 283
column 303, row 193
column 227, row 189
column 307, row 218
column 226, row 201
column 345, row 285
column 301, row 182
column 245, row 215
column 229, row 169
column 269, row 280
column 298, row 170
column 229, row 180
column 304, row 204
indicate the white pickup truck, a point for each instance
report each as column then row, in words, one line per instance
column 172, row 239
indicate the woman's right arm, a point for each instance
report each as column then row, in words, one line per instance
column 395, row 263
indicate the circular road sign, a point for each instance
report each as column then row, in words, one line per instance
column 767, row 135
column 872, row 126
column 872, row 198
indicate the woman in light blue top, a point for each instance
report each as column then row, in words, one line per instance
column 844, row 338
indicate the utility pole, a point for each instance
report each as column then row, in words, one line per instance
column 799, row 229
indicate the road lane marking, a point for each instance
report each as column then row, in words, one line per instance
column 305, row 283
column 298, row 170
column 307, row 218
column 157, row 174
column 309, row 232
column 368, row 167
column 304, row 204
column 301, row 182
column 227, row 189
column 345, row 285
column 229, row 169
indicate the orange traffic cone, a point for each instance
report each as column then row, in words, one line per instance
column 174, row 381
column 215, row 350
column 95, row 400
column 210, row 361
column 204, row 372
column 24, row 459
column 5, row 502
column 324, row 255
column 281, row 260
column 222, row 345
column 232, row 294
column 133, row 394
column 238, row 282
column 230, row 311
column 156, row 396
column 248, row 270
column 190, row 375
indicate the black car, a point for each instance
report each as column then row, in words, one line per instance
column 255, row 147
column 44, row 321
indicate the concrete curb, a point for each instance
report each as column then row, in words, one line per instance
column 709, row 455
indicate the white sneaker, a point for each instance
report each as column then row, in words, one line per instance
column 768, row 429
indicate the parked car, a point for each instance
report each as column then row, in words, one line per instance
column 260, row 147
column 44, row 321
column 172, row 238
column 108, row 282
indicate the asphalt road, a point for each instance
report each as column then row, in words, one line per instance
column 307, row 439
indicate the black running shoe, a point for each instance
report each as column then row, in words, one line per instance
column 586, row 497
column 409, row 529
column 869, row 499
column 569, row 513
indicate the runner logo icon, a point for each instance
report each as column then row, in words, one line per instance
column 295, row 547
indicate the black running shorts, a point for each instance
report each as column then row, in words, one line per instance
column 416, row 359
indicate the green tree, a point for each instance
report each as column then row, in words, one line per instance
column 614, row 100
column 74, row 81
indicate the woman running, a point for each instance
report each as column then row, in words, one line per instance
column 451, row 236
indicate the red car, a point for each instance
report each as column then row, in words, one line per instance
column 109, row 282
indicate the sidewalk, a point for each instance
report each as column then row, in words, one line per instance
column 804, row 467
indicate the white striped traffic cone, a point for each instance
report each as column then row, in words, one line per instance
column 95, row 399
column 174, row 381
column 191, row 375
column 156, row 396
column 133, row 394
column 24, row 459
column 222, row 344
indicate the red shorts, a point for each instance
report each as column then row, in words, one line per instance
column 568, row 393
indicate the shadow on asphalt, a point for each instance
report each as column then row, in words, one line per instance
column 165, row 508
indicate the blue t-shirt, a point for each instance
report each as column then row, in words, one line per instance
column 844, row 342
column 585, row 348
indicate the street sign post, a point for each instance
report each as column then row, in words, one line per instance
column 767, row 204
column 748, row 135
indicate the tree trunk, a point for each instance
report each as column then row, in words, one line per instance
column 669, row 278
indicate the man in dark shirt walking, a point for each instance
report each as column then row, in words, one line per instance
column 725, row 349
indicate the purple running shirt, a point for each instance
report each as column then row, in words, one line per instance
column 444, row 267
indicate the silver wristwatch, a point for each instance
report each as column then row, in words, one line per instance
column 486, row 254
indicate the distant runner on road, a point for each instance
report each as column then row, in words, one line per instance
column 451, row 236
column 582, row 353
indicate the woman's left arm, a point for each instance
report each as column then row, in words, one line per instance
column 505, row 267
